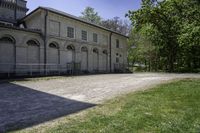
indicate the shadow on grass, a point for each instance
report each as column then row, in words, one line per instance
column 21, row 107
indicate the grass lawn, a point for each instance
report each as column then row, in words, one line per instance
column 168, row 108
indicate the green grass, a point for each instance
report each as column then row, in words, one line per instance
column 168, row 108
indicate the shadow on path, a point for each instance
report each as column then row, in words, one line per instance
column 21, row 107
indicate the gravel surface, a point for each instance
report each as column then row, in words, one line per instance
column 26, row 103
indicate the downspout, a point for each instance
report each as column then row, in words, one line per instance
column 15, row 12
column 45, row 41
column 110, row 46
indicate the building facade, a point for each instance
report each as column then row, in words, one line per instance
column 50, row 41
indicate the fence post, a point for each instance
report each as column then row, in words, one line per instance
column 58, row 69
column 9, row 72
column 45, row 69
column 31, row 70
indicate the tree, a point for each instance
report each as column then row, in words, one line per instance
column 189, row 37
column 115, row 24
column 90, row 15
column 118, row 25
column 141, row 51
column 170, row 26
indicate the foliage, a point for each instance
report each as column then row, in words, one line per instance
column 118, row 25
column 115, row 24
column 172, row 26
column 90, row 15
column 168, row 108
column 141, row 51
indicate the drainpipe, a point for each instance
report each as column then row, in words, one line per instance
column 110, row 43
column 15, row 12
column 45, row 41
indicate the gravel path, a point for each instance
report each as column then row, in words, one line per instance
column 26, row 103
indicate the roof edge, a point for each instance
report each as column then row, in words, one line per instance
column 21, row 29
column 74, row 18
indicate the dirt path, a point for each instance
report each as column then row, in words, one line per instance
column 27, row 103
column 95, row 88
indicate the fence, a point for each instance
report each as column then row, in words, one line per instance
column 39, row 69
column 118, row 67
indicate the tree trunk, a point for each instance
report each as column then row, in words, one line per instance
column 149, row 67
column 171, row 61
column 145, row 62
column 133, row 62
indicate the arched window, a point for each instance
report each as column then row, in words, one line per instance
column 7, row 39
column 70, row 47
column 105, row 52
column 33, row 53
column 84, row 49
column 7, row 53
column 53, row 45
column 95, row 50
column 32, row 43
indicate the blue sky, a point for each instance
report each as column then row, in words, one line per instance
column 105, row 8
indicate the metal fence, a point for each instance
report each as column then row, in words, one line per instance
column 39, row 69
column 73, row 68
column 118, row 67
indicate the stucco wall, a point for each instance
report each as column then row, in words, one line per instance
column 36, row 21
column 21, row 48
column 95, row 58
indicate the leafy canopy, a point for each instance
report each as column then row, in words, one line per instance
column 90, row 15
column 173, row 28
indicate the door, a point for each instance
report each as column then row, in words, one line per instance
column 53, row 57
column 70, row 56
column 34, row 57
column 105, row 62
column 7, row 55
column 84, row 60
column 95, row 61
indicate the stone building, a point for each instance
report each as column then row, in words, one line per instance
column 50, row 41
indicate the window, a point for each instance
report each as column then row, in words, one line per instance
column 54, row 28
column 95, row 50
column 105, row 39
column 84, row 49
column 70, row 48
column 84, row 35
column 95, row 37
column 7, row 40
column 105, row 52
column 70, row 32
column 53, row 45
column 32, row 43
column 117, row 59
column 117, row 43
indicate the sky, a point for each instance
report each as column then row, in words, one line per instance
column 107, row 9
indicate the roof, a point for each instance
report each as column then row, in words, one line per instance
column 72, row 17
column 21, row 29
column 8, row 20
